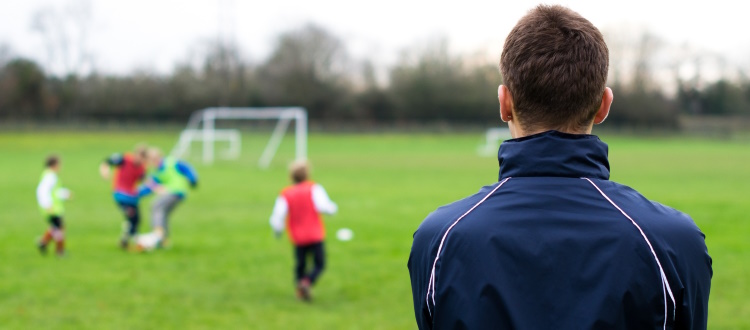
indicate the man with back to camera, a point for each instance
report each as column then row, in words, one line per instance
column 554, row 244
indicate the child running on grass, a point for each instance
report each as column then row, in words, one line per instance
column 298, row 208
column 50, row 195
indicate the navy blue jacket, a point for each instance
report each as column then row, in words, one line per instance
column 555, row 245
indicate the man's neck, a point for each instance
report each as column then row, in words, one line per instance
column 516, row 131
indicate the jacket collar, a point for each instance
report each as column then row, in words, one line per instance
column 554, row 154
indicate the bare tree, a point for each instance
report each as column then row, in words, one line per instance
column 65, row 32
column 224, row 71
column 308, row 67
column 643, row 67
column 429, row 83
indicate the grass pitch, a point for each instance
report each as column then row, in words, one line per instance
column 225, row 269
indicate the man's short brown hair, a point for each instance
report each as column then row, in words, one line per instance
column 299, row 171
column 554, row 63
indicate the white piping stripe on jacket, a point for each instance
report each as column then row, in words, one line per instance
column 664, row 282
column 431, row 284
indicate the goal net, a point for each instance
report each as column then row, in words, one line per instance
column 202, row 128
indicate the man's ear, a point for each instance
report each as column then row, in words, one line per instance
column 506, row 103
column 603, row 111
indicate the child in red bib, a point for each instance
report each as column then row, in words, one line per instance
column 299, row 208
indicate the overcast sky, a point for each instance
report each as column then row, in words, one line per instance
column 155, row 34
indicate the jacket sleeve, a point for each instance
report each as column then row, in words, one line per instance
column 419, row 271
column 188, row 171
column 148, row 186
column 692, row 306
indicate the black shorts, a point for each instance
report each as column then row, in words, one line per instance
column 55, row 221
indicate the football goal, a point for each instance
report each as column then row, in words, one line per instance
column 202, row 128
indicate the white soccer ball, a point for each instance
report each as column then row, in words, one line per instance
column 147, row 241
column 344, row 234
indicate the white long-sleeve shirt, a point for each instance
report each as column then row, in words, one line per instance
column 45, row 189
column 323, row 204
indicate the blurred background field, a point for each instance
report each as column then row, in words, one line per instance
column 225, row 269
column 397, row 112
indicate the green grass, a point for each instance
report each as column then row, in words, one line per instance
column 225, row 269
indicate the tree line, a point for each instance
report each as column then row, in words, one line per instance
column 310, row 67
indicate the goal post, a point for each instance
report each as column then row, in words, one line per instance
column 202, row 127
